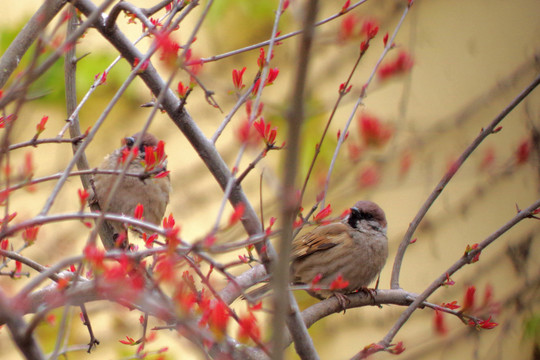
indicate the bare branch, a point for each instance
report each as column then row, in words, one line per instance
column 464, row 260
column 16, row 325
column 127, row 7
column 31, row 31
column 17, row 88
column 285, row 306
column 360, row 99
column 185, row 123
column 449, row 175
column 282, row 37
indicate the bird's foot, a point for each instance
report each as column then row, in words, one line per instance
column 371, row 293
column 343, row 300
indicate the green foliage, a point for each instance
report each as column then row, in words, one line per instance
column 7, row 36
column 531, row 327
column 49, row 87
column 254, row 10
column 247, row 22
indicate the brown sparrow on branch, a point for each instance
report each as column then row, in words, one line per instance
column 152, row 192
column 355, row 248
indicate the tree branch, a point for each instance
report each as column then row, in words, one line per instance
column 285, row 306
column 31, row 77
column 182, row 119
column 16, row 325
column 30, row 32
column 394, row 283
column 464, row 260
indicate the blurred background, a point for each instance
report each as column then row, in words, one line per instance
column 470, row 60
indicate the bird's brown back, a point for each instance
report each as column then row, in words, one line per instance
column 322, row 238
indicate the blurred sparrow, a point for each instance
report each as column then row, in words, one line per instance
column 355, row 248
column 152, row 192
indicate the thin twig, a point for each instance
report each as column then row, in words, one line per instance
column 154, row 9
column 235, row 108
column 15, row 255
column 46, row 219
column 93, row 341
column 360, row 100
column 29, row 33
column 263, row 74
column 341, row 94
column 37, row 142
column 464, row 260
column 279, row 38
column 14, row 91
column 449, row 175
column 142, row 176
column 126, row 7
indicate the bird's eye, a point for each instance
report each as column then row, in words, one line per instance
column 357, row 216
column 129, row 141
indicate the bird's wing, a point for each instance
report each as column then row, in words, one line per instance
column 322, row 238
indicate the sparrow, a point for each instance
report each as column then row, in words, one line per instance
column 355, row 248
column 152, row 192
